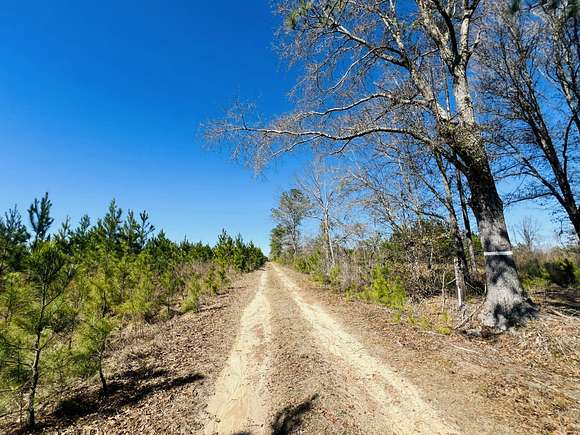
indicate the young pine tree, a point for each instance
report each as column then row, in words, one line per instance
column 91, row 344
column 13, row 238
column 43, row 313
column 40, row 219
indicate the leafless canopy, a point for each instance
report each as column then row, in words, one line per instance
column 371, row 68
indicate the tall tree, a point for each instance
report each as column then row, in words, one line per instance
column 277, row 237
column 324, row 192
column 386, row 68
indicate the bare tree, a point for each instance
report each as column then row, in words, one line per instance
column 530, row 76
column 427, row 186
column 324, row 191
column 460, row 260
column 382, row 69
column 528, row 230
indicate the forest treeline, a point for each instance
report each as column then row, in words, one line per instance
column 437, row 115
column 418, row 259
column 64, row 294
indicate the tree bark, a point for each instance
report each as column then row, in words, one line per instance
column 30, row 417
column 329, row 247
column 104, row 386
column 505, row 304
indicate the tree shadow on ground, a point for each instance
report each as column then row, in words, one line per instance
column 290, row 417
column 564, row 300
column 125, row 389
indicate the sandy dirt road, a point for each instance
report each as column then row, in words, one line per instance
column 245, row 393
column 277, row 354
column 240, row 401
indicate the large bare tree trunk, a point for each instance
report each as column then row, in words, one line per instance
column 505, row 303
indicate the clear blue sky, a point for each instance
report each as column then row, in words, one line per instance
column 102, row 100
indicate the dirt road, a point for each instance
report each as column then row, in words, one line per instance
column 241, row 397
column 241, row 402
column 276, row 354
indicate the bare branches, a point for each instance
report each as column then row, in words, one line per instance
column 526, row 79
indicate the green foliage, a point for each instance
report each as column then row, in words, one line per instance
column 13, row 238
column 91, row 340
column 215, row 279
column 562, row 272
column 235, row 253
column 335, row 276
column 293, row 207
column 539, row 272
column 194, row 292
column 63, row 296
column 40, row 220
column 36, row 314
column 224, row 249
column 385, row 290
column 292, row 20
column 139, row 303
column 312, row 263
column 442, row 329
column 277, row 236
column 196, row 251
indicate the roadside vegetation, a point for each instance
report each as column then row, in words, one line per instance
column 413, row 263
column 65, row 295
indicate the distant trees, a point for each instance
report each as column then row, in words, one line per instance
column 64, row 294
column 277, row 236
column 324, row 195
column 293, row 207
column 528, row 230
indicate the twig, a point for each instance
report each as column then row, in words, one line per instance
column 558, row 313
column 464, row 321
column 463, row 348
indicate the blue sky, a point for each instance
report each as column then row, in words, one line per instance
column 104, row 100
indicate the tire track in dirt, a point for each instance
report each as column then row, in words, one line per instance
column 240, row 401
column 310, row 392
column 401, row 407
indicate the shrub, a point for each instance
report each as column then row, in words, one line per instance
column 92, row 338
column 335, row 276
column 215, row 279
column 561, row 272
column 386, row 291
column 194, row 291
